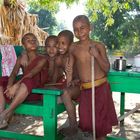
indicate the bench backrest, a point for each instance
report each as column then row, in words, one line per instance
column 18, row 50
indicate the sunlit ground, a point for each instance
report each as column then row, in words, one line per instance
column 131, row 129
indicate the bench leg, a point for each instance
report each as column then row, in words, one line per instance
column 50, row 117
column 122, row 106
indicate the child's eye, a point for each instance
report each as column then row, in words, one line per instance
column 82, row 28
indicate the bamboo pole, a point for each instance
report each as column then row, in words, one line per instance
column 54, row 84
column 93, row 99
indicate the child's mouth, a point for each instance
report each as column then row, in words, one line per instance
column 61, row 51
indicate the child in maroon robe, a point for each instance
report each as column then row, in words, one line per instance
column 18, row 91
column 70, row 93
column 58, row 80
column 84, row 50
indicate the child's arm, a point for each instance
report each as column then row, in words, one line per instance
column 24, row 59
column 51, row 67
column 9, row 90
column 56, row 69
column 36, row 69
column 14, row 73
column 69, row 68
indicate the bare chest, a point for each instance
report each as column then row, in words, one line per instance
column 82, row 56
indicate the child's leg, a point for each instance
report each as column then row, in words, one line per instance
column 21, row 95
column 67, row 96
column 2, row 100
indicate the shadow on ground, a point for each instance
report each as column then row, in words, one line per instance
column 130, row 130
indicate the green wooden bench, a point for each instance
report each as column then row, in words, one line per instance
column 48, row 109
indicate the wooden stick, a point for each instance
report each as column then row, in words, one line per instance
column 128, row 113
column 53, row 84
column 93, row 99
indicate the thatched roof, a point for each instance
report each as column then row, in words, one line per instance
column 15, row 22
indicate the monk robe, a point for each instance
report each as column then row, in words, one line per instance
column 105, row 115
column 35, row 82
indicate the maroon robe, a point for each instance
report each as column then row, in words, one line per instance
column 105, row 115
column 35, row 82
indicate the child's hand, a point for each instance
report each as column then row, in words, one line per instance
column 73, row 83
column 76, row 82
column 94, row 51
column 11, row 92
column 7, row 90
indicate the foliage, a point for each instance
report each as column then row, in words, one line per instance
column 131, row 33
column 50, row 5
column 108, row 8
column 45, row 20
column 114, row 23
column 125, row 28
column 0, row 2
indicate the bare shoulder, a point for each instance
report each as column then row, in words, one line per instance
column 73, row 47
column 99, row 45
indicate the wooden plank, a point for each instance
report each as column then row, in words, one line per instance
column 29, row 109
column 114, row 138
column 47, row 91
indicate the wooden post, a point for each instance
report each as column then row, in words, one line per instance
column 128, row 113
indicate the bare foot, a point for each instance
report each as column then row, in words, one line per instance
column 1, row 109
column 3, row 122
column 4, row 119
column 69, row 131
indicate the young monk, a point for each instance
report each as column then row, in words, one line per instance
column 57, row 74
column 84, row 50
column 17, row 92
column 65, row 39
column 51, row 53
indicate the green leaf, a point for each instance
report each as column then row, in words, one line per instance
column 126, row 5
column 109, row 21
column 94, row 16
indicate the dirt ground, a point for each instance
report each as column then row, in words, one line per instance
column 130, row 130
